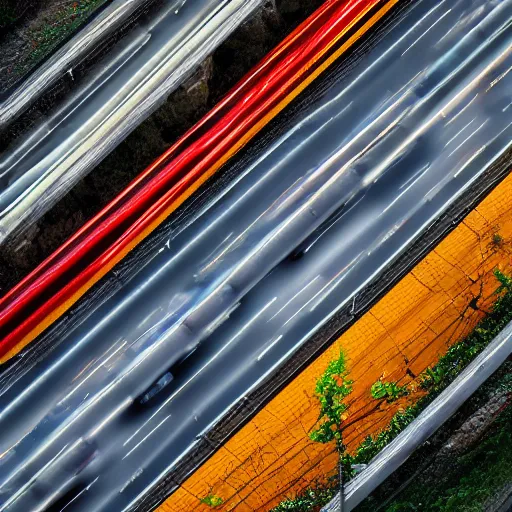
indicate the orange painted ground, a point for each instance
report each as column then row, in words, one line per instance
column 430, row 309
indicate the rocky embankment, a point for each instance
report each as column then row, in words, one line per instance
column 184, row 107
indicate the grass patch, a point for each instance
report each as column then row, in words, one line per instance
column 11, row 11
column 310, row 499
column 48, row 25
column 65, row 21
column 479, row 475
column 7, row 16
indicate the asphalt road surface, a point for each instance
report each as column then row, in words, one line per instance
column 265, row 265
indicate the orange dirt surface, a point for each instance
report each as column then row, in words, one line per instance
column 435, row 305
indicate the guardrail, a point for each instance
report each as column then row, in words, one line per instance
column 431, row 419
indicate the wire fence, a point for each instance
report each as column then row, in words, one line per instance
column 438, row 303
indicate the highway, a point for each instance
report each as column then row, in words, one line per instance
column 65, row 58
column 127, row 86
column 160, row 188
column 265, row 264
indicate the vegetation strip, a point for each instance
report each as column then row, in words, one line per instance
column 441, row 408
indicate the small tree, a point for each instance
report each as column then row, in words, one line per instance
column 331, row 389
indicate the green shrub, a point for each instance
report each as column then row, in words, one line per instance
column 66, row 21
column 390, row 391
column 212, row 501
column 309, row 499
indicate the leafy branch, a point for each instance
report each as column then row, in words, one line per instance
column 389, row 391
column 331, row 389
